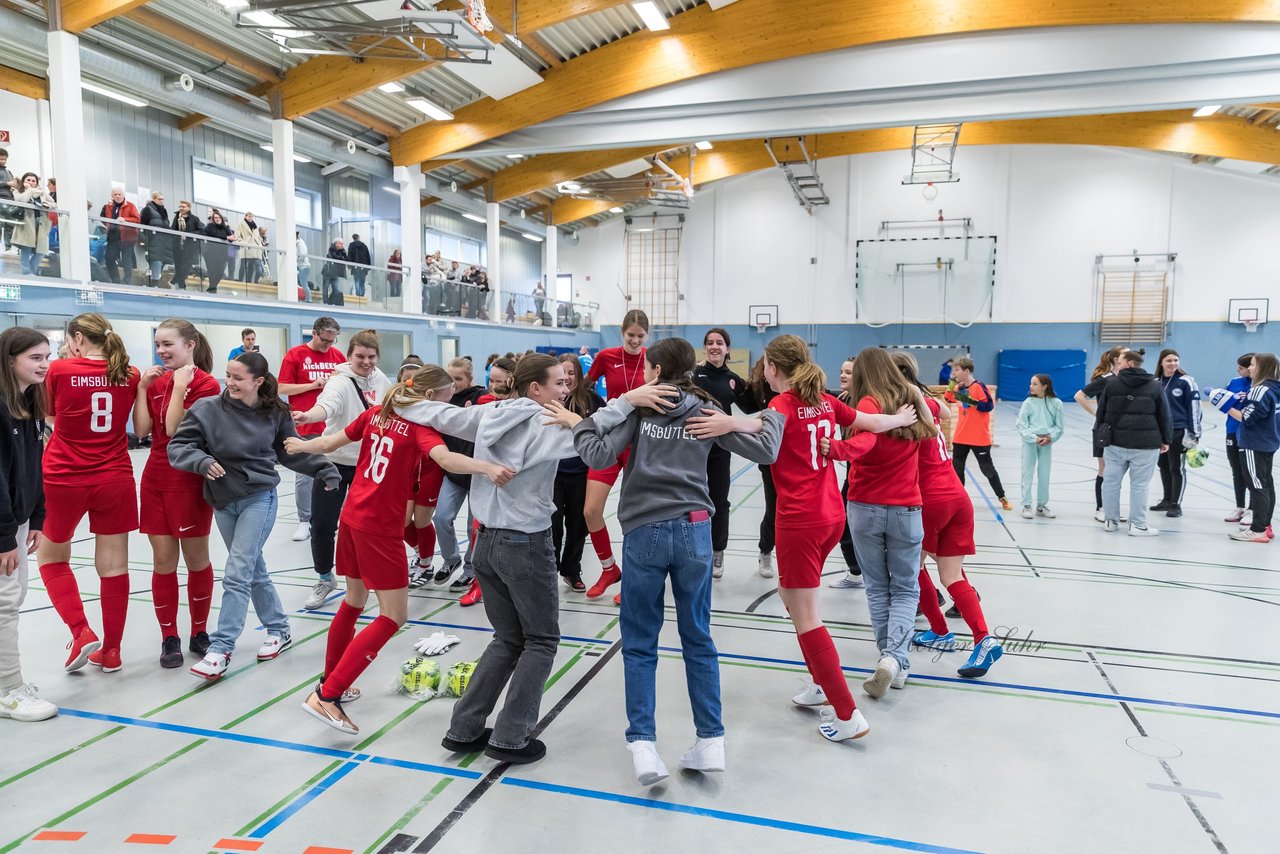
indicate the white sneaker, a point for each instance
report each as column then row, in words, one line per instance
column 1247, row 519
column 1111, row 526
column 811, row 696
column 848, row 581
column 647, row 763
column 1135, row 531
column 834, row 729
column 1246, row 535
column 302, row 532
column 1044, row 511
column 273, row 646
column 766, row 565
column 717, row 567
column 1027, row 512
column 900, row 679
column 319, row 593
column 24, row 704
column 1099, row 516
column 878, row 684
column 212, row 666
column 707, row 754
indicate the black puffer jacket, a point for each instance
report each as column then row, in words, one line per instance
column 21, row 482
column 1133, row 409
column 159, row 244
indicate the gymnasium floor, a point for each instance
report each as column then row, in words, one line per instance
column 1136, row 711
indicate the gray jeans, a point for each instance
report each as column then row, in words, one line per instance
column 887, row 540
column 447, row 509
column 1140, row 463
column 517, row 573
column 13, row 590
column 302, row 486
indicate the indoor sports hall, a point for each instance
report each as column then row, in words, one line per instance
column 1008, row 259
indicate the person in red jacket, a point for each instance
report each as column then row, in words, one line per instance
column 623, row 370
column 87, row 470
column 121, row 239
column 973, row 429
column 174, row 515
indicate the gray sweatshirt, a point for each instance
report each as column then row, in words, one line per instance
column 247, row 444
column 666, row 474
column 342, row 404
column 509, row 433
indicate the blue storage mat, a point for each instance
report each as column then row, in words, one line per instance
column 1015, row 368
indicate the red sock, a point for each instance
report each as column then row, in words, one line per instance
column 200, row 598
column 966, row 599
column 426, row 543
column 164, row 595
column 361, row 652
column 475, row 529
column 341, row 631
column 929, row 604
column 824, row 662
column 115, row 607
column 411, row 536
column 604, row 548
column 60, row 584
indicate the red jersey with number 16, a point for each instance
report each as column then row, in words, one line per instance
column 386, row 471
column 622, row 371
column 808, row 490
column 90, row 422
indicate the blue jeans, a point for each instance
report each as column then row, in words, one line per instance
column 887, row 541
column 359, row 276
column 682, row 550
column 245, row 526
column 447, row 509
column 304, row 277
column 30, row 260
column 1140, row 463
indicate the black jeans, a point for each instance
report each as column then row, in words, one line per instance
column 719, row 461
column 215, row 263
column 568, row 525
column 1262, row 487
column 846, row 539
column 767, row 530
column 120, row 254
column 1173, row 469
column 1235, row 458
column 960, row 455
column 326, row 507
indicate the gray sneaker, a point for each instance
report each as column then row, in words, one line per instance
column 848, row 581
column 319, row 593
column 765, row 565
column 717, row 565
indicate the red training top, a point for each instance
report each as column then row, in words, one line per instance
column 808, row 490
column 938, row 479
column 622, row 371
column 386, row 471
column 159, row 474
column 885, row 469
column 90, row 422
column 304, row 365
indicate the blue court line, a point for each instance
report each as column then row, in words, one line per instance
column 306, row 798
column 739, row 818
column 985, row 497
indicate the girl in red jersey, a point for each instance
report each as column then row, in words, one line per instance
column 810, row 513
column 419, row 533
column 369, row 552
column 948, row 537
column 175, row 517
column 87, row 470
column 622, row 369
column 884, row 510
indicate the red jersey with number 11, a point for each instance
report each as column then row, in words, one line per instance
column 386, row 471
column 808, row 490
column 90, row 422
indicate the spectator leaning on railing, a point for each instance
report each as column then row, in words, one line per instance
column 121, row 238
column 217, row 250
column 159, row 245
column 31, row 236
column 252, row 246
column 186, row 252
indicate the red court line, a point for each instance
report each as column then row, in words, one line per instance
column 150, row 839
column 239, row 844
column 59, row 836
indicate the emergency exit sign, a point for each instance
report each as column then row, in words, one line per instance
column 4, row 136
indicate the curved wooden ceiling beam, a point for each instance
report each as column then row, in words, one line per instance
column 704, row 41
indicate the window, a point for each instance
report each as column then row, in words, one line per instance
column 212, row 188
column 223, row 188
column 450, row 247
column 255, row 197
column 470, row 252
column 430, row 243
column 304, row 210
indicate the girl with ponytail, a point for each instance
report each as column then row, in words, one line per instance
column 175, row 517
column 569, row 524
column 370, row 554
column 87, row 470
column 419, row 532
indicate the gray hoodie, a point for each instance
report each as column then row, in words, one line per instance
column 247, row 444
column 666, row 474
column 342, row 404
column 509, row 433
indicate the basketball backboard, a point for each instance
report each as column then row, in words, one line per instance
column 762, row 317
column 1249, row 313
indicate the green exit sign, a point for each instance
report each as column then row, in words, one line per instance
column 10, row 293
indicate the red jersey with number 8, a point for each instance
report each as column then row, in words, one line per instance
column 90, row 423
column 808, row 490
column 386, row 471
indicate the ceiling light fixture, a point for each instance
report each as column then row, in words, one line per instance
column 124, row 99
column 651, row 15
column 615, row 210
column 515, row 157
column 266, row 146
column 391, row 88
column 474, row 218
column 705, row 145
column 424, row 106
column 527, row 236
column 1207, row 111
column 395, row 191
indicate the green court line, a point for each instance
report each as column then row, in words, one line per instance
column 274, row 808
column 411, row 814
column 1209, row 717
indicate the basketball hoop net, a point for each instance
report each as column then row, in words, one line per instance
column 1251, row 326
column 477, row 17
column 761, row 327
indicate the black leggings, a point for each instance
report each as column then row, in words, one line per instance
column 770, row 509
column 326, row 507
column 1239, row 481
column 719, row 461
column 1173, row 469
column 846, row 539
column 1262, row 487
column 960, row 454
column 568, row 525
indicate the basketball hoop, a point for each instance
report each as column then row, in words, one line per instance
column 1251, row 326
column 761, row 327
column 477, row 17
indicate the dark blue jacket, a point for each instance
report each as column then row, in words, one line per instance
column 1183, row 396
column 1239, row 385
column 1260, row 418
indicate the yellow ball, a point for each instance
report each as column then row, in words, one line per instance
column 458, row 677
column 419, row 676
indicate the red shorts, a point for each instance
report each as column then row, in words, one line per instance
column 112, row 507
column 803, row 550
column 427, row 491
column 180, row 513
column 378, row 560
column 948, row 527
column 610, row 475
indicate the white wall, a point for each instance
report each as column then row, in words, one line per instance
column 1053, row 208
column 29, row 148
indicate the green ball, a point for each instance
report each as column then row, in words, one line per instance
column 458, row 677
column 420, row 675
